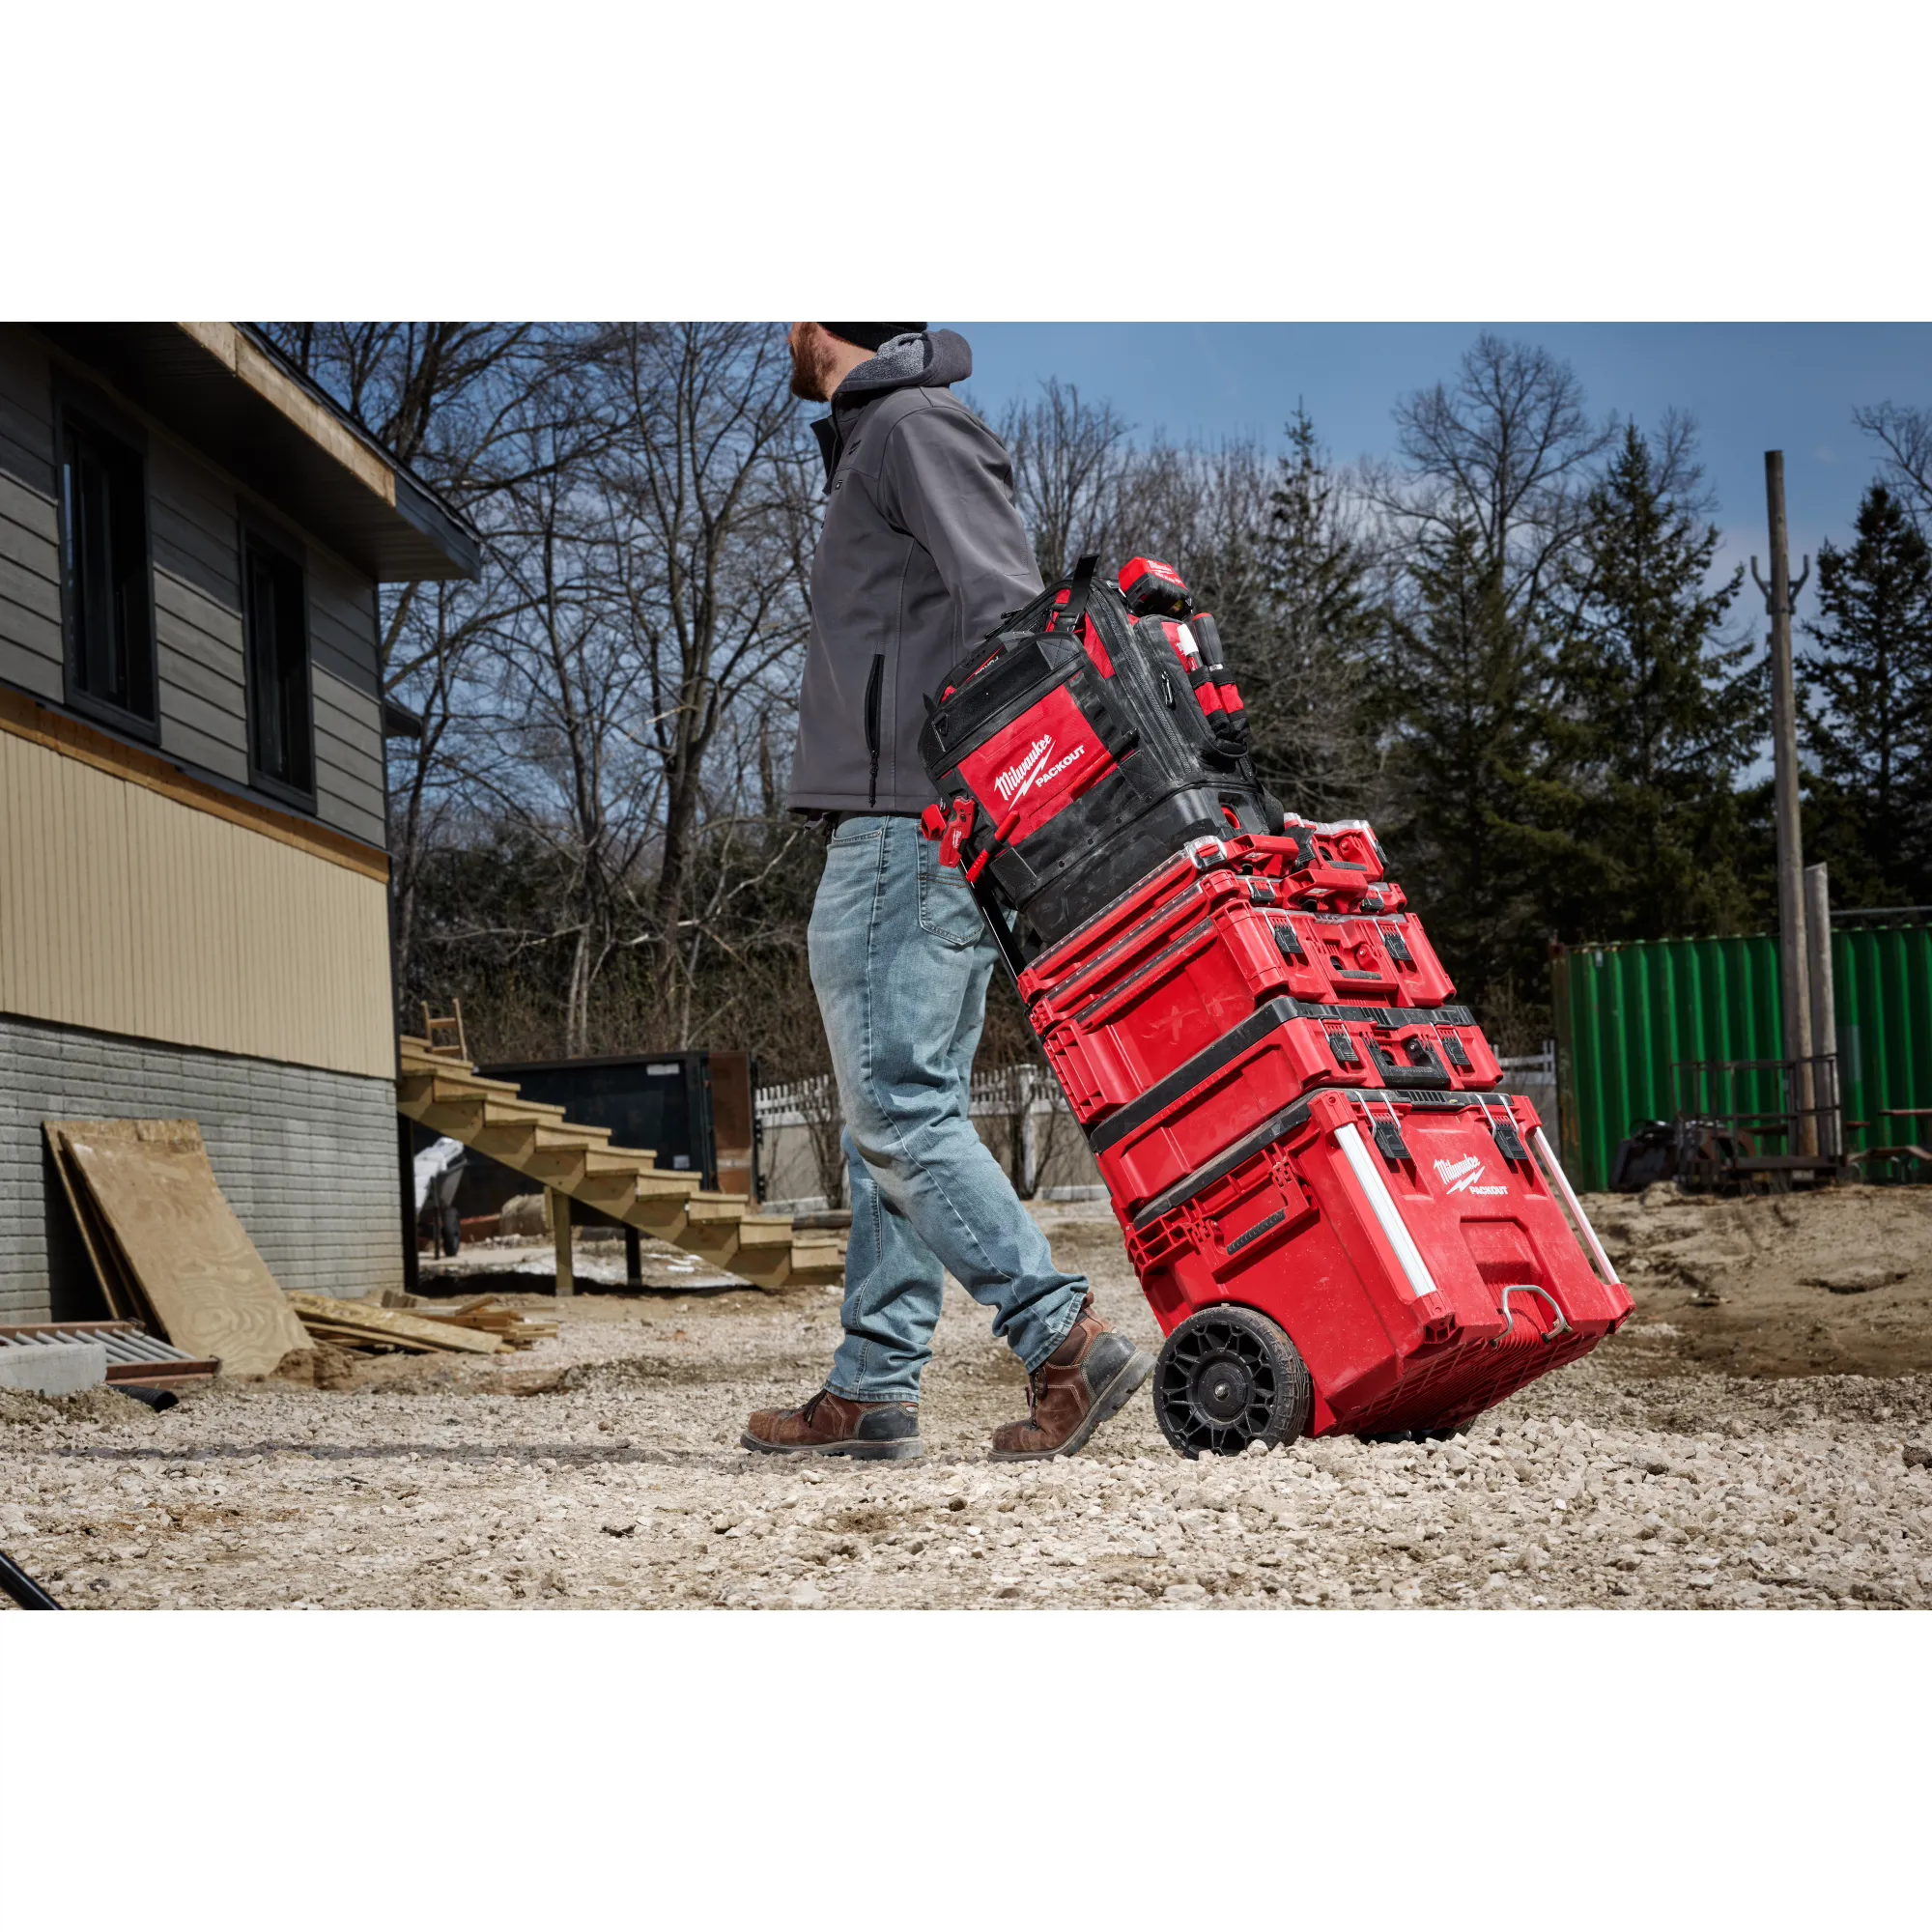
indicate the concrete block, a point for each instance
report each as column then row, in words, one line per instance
column 52, row 1368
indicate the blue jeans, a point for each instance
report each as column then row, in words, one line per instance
column 901, row 959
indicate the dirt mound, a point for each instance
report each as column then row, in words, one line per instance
column 1833, row 1283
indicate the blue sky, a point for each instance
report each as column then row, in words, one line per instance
column 1751, row 387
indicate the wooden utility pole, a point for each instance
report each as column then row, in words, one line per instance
column 1792, row 956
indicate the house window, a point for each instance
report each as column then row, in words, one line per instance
column 276, row 599
column 106, row 587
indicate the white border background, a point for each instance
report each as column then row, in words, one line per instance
column 1212, row 161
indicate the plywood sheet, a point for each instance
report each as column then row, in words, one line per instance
column 197, row 1269
column 117, row 1289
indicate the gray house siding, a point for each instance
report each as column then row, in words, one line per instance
column 30, row 621
column 306, row 1158
column 194, row 516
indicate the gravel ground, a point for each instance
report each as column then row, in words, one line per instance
column 601, row 1471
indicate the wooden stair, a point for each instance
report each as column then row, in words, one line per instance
column 446, row 1094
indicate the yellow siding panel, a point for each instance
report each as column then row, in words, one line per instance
column 129, row 910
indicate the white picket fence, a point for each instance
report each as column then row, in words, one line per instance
column 999, row 1090
column 1534, row 1077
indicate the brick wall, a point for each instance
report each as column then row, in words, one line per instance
column 306, row 1158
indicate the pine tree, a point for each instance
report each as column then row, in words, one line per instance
column 1659, row 713
column 1869, row 733
column 1303, row 677
column 1463, row 689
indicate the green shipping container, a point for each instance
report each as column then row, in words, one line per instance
column 1625, row 1013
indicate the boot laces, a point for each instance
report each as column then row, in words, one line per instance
column 811, row 1408
column 1036, row 1392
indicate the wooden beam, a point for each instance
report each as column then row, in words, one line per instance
column 560, row 1222
column 388, row 1324
column 229, row 346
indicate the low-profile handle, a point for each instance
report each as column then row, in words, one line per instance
column 1543, row 1293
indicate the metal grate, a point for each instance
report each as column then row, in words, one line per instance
column 132, row 1353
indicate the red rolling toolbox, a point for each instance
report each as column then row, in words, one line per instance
column 1423, row 1250
column 1271, row 1059
column 1292, row 871
column 1199, row 964
column 1339, row 1222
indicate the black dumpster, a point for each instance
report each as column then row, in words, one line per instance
column 694, row 1109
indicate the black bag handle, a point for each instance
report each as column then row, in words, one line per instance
column 1080, row 586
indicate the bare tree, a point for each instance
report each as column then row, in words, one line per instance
column 710, row 478
column 1905, row 434
column 460, row 404
column 1504, row 449
column 1072, row 468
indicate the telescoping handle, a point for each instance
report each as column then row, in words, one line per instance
column 997, row 922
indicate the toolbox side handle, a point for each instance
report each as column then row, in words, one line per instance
column 1543, row 1293
column 1552, row 1172
column 1428, row 1072
column 1381, row 1203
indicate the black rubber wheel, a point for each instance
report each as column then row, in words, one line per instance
column 1227, row 1378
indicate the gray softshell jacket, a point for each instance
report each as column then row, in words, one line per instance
column 921, row 556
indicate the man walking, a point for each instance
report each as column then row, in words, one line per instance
column 920, row 554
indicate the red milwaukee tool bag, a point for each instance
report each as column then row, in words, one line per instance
column 1071, row 756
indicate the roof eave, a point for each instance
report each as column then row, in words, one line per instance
column 223, row 390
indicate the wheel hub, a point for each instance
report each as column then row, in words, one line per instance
column 1222, row 1388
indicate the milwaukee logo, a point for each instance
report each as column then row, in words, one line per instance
column 1016, row 780
column 1460, row 1177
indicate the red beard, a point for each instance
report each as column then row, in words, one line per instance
column 811, row 366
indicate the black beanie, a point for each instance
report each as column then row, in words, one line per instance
column 872, row 335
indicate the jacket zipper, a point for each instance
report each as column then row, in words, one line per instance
column 875, row 686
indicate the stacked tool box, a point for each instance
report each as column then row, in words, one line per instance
column 1339, row 1221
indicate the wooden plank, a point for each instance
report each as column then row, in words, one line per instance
column 763, row 1269
column 607, row 1193
column 391, row 1325
column 712, row 1241
column 193, row 1261
column 227, row 344
column 705, row 1205
column 559, row 1221
column 661, row 1215
column 350, row 715
column 116, row 1288
column 765, row 1231
column 555, row 1167
column 36, row 517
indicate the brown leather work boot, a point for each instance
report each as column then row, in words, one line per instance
column 828, row 1425
column 1087, row 1380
